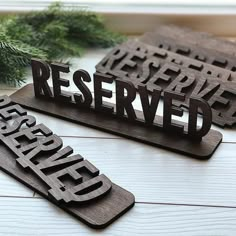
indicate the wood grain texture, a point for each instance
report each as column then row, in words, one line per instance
column 18, row 217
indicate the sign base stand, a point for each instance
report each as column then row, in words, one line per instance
column 157, row 137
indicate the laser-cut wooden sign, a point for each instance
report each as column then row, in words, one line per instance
column 157, row 68
column 171, row 38
column 121, row 118
column 36, row 157
column 200, row 39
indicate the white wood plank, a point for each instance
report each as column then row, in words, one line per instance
column 39, row 217
column 7, row 92
column 156, row 175
column 11, row 187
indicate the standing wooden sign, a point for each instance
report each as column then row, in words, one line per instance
column 36, row 157
column 121, row 118
column 157, row 68
column 195, row 45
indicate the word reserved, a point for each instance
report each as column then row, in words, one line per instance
column 31, row 153
column 125, row 95
column 157, row 68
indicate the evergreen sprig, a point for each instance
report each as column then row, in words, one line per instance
column 52, row 34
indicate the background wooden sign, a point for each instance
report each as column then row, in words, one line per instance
column 140, row 52
column 36, row 157
column 156, row 68
column 199, row 46
column 121, row 118
column 200, row 39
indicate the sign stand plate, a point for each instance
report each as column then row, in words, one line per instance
column 156, row 137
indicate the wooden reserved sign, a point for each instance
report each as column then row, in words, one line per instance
column 36, row 157
column 121, row 118
column 196, row 45
column 176, row 45
column 159, row 69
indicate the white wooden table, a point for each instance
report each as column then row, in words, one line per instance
column 175, row 195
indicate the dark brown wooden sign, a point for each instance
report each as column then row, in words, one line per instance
column 121, row 118
column 199, row 39
column 36, row 157
column 195, row 45
column 157, row 68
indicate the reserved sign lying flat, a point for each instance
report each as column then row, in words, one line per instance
column 157, row 68
column 36, row 157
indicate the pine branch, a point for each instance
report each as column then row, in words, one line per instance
column 50, row 34
column 58, row 30
column 19, row 52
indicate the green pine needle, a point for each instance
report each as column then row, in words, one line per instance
column 53, row 34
